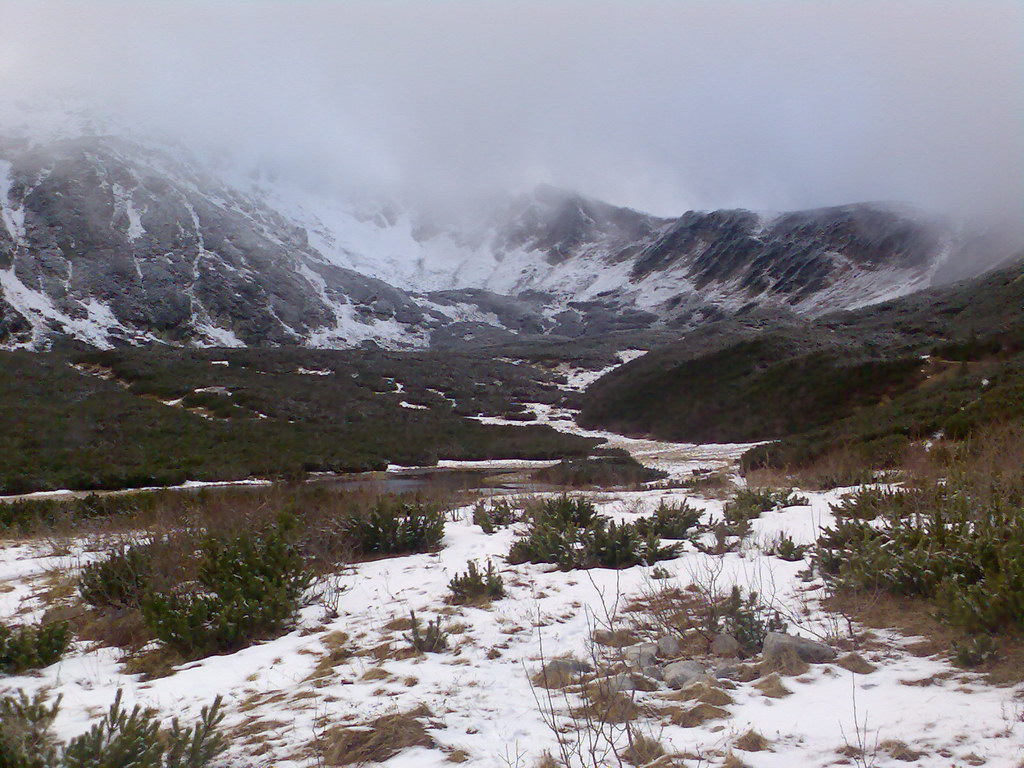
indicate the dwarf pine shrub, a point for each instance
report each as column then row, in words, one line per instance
column 249, row 588
column 395, row 527
column 32, row 646
column 500, row 513
column 121, row 738
column 744, row 616
column 431, row 638
column 475, row 585
column 956, row 544
column 120, row 579
column 671, row 521
column 568, row 532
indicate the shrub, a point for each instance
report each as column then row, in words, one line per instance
column 569, row 533
column 32, row 646
column 249, row 589
column 25, row 737
column 744, row 616
column 121, row 739
column 599, row 471
column 431, row 639
column 500, row 513
column 671, row 521
column 475, row 585
column 956, row 543
column 785, row 548
column 395, row 527
column 120, row 579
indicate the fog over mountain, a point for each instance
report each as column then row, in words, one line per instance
column 659, row 106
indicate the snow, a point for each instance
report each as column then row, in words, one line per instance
column 482, row 701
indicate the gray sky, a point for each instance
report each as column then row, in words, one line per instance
column 663, row 106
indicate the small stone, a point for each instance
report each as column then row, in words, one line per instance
column 811, row 651
column 679, row 674
column 669, row 646
column 559, row 673
column 725, row 645
column 640, row 655
column 628, row 681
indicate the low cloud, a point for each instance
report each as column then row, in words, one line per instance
column 659, row 105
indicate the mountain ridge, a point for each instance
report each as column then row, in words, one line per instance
column 109, row 241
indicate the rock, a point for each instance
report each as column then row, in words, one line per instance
column 811, row 651
column 726, row 671
column 640, row 655
column 628, row 681
column 654, row 671
column 669, row 646
column 679, row 674
column 559, row 673
column 725, row 645
column 618, row 638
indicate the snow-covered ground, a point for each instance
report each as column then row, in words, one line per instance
column 346, row 670
column 483, row 707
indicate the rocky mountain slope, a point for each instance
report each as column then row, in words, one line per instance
column 110, row 240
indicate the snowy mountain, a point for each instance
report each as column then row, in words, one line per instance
column 111, row 239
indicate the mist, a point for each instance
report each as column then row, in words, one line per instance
column 659, row 106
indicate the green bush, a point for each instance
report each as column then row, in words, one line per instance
column 121, row 739
column 430, row 639
column 569, row 533
column 120, row 579
column 26, row 740
column 32, row 646
column 249, row 589
column 956, row 544
column 671, row 521
column 785, row 548
column 745, row 617
column 396, row 527
column 475, row 585
column 500, row 513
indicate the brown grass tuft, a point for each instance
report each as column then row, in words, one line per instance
column 772, row 687
column 643, row 750
column 694, row 716
column 853, row 662
column 899, row 750
column 752, row 741
column 380, row 740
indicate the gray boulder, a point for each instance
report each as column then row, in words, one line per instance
column 725, row 645
column 628, row 681
column 679, row 674
column 640, row 655
column 811, row 651
column 669, row 646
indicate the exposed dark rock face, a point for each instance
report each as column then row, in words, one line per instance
column 111, row 242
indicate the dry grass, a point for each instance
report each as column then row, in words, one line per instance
column 697, row 715
column 916, row 618
column 601, row 704
column 643, row 750
column 854, row 662
column 702, row 692
column 376, row 742
column 772, row 687
column 898, row 750
column 752, row 741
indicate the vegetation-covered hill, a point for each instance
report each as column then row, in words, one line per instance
column 159, row 416
column 938, row 360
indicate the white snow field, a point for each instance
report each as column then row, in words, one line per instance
column 281, row 695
